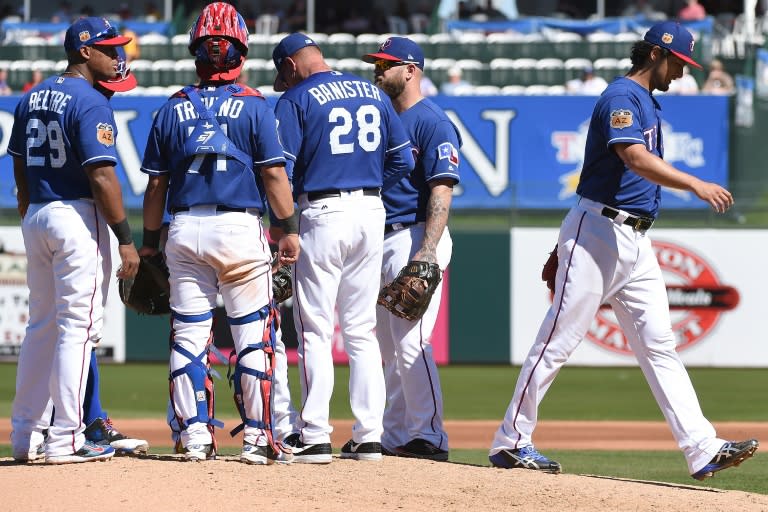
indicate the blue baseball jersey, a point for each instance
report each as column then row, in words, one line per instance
column 339, row 132
column 436, row 142
column 626, row 113
column 204, row 178
column 60, row 126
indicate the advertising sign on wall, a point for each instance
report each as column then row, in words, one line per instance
column 518, row 151
column 715, row 300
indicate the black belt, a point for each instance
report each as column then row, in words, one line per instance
column 326, row 194
column 219, row 208
column 641, row 224
column 397, row 226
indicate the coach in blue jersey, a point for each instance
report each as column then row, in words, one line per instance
column 416, row 229
column 605, row 257
column 214, row 152
column 63, row 147
column 339, row 132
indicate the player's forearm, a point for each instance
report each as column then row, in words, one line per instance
column 154, row 202
column 107, row 194
column 438, row 207
column 278, row 191
column 22, row 190
column 654, row 169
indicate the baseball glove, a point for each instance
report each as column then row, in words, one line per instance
column 549, row 271
column 409, row 294
column 149, row 292
column 282, row 288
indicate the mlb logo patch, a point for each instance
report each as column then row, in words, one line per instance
column 446, row 150
column 105, row 133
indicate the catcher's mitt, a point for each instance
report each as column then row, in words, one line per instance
column 549, row 271
column 409, row 294
column 149, row 292
column 282, row 288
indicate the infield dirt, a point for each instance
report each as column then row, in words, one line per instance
column 162, row 482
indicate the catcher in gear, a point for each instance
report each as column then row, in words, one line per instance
column 408, row 296
column 148, row 293
column 213, row 167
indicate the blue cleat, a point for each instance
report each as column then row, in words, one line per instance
column 524, row 458
column 730, row 454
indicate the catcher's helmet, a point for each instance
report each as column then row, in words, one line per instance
column 219, row 37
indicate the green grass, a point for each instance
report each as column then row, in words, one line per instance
column 470, row 392
column 670, row 467
column 483, row 392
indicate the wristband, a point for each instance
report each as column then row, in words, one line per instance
column 290, row 224
column 122, row 231
column 152, row 238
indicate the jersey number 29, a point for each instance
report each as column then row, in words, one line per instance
column 37, row 136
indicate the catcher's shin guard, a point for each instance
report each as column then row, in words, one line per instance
column 199, row 373
column 242, row 373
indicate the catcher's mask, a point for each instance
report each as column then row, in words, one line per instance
column 219, row 41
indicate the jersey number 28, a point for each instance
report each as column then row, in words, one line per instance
column 368, row 122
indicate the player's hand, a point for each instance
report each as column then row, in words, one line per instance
column 288, row 249
column 129, row 261
column 718, row 197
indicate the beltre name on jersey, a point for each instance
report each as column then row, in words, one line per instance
column 55, row 101
column 343, row 90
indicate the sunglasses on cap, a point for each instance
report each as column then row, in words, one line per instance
column 108, row 33
column 386, row 65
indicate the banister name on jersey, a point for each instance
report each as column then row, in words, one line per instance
column 338, row 129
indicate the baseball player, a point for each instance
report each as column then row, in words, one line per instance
column 100, row 428
column 213, row 151
column 63, row 147
column 605, row 257
column 338, row 131
column 417, row 212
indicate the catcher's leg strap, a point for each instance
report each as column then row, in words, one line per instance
column 267, row 345
column 199, row 375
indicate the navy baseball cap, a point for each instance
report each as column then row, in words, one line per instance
column 675, row 38
column 288, row 46
column 398, row 49
column 92, row 31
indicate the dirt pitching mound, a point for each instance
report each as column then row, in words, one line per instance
column 163, row 482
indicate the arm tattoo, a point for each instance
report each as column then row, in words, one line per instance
column 437, row 217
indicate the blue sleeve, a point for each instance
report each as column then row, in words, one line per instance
column 154, row 161
column 268, row 150
column 622, row 121
column 17, row 144
column 288, row 116
column 399, row 158
column 96, row 134
column 440, row 157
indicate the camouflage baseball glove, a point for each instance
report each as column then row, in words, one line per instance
column 549, row 271
column 149, row 292
column 282, row 288
column 409, row 294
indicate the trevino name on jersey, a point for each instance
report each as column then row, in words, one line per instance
column 355, row 116
column 196, row 179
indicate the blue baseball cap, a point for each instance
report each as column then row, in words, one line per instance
column 92, row 31
column 288, row 46
column 675, row 38
column 398, row 49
